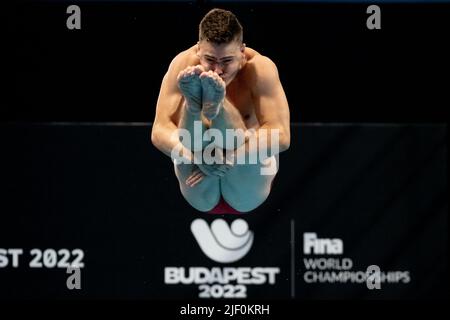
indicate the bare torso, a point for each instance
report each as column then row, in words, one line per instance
column 244, row 187
column 238, row 92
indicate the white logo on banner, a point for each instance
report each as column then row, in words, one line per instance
column 220, row 243
column 321, row 246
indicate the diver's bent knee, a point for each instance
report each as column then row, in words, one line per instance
column 205, row 201
column 203, row 205
column 244, row 206
column 245, row 201
column 245, row 209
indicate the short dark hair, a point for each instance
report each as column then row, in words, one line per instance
column 220, row 26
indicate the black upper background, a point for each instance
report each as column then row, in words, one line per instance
column 332, row 67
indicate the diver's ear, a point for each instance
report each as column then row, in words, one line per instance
column 197, row 48
column 243, row 52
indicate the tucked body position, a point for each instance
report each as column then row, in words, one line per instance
column 223, row 117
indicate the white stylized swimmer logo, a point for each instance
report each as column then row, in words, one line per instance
column 220, row 243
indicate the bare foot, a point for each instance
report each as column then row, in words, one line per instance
column 213, row 93
column 191, row 88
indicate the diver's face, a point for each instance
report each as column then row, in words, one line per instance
column 225, row 59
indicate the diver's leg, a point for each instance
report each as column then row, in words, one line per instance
column 244, row 187
column 203, row 196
